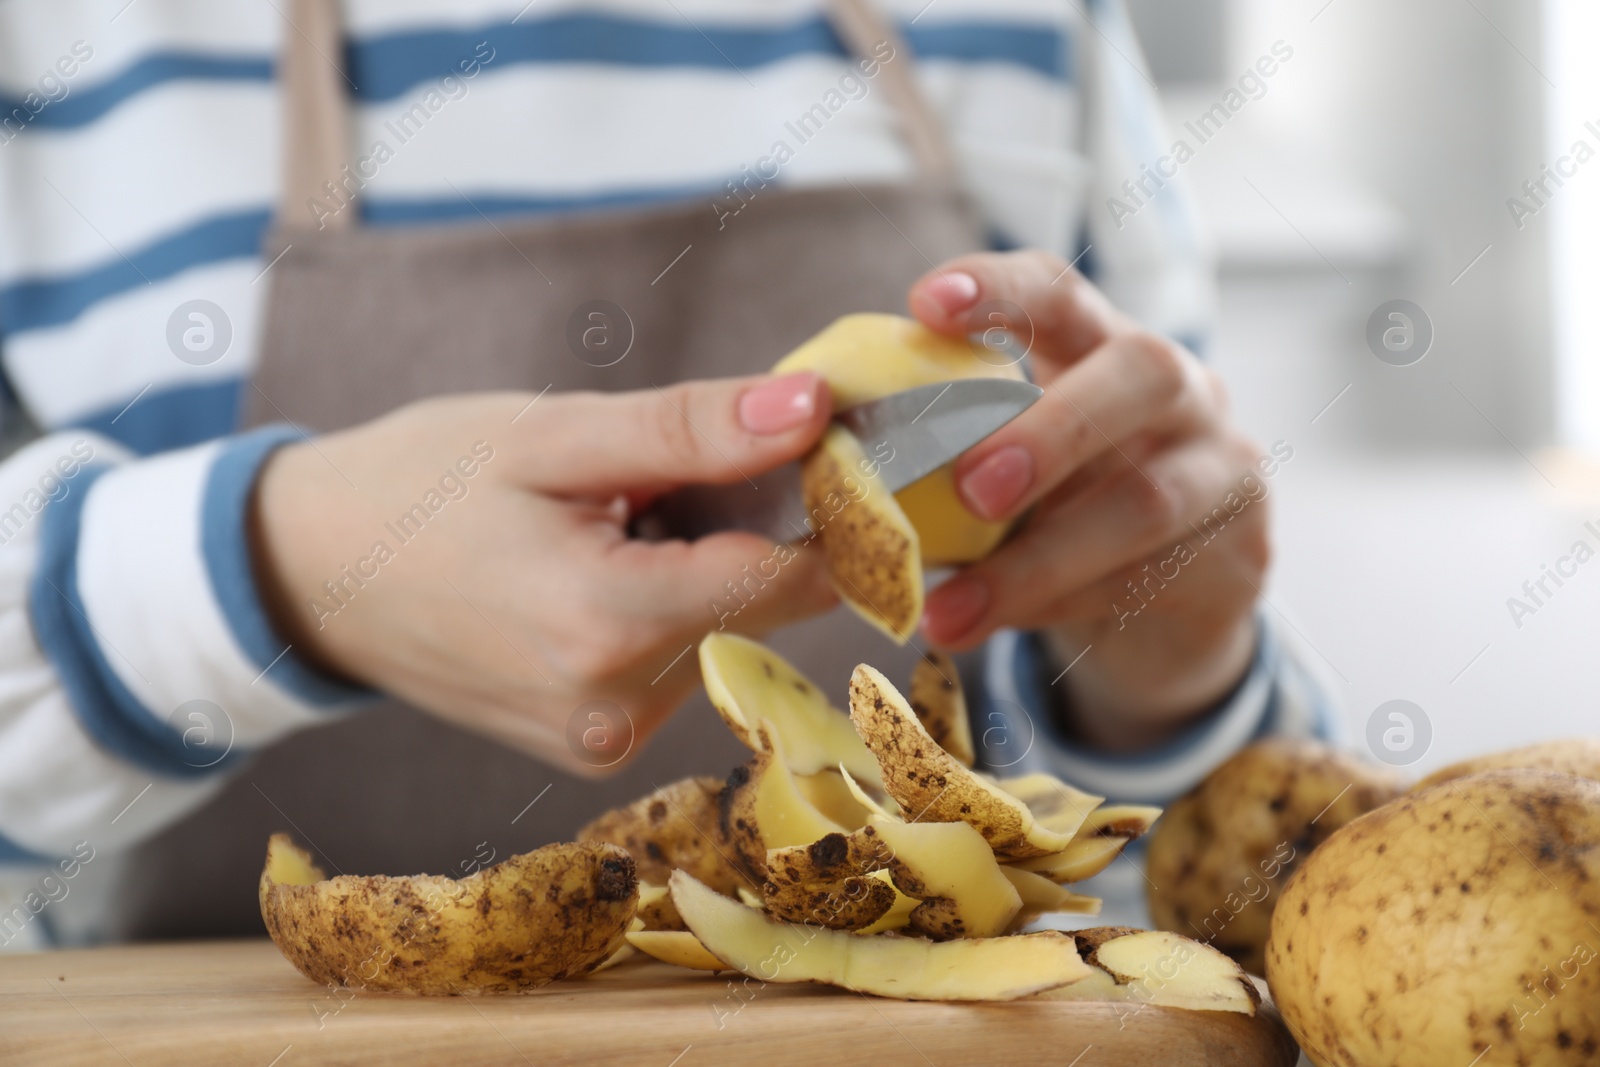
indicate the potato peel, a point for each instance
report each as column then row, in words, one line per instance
column 907, row 968
column 935, row 695
column 873, row 552
column 931, row 785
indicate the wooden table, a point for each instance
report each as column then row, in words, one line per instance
column 239, row 1002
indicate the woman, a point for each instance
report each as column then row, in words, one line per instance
column 594, row 225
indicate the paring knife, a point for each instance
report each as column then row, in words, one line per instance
column 910, row 434
column 931, row 425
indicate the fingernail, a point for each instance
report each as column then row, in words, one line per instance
column 779, row 404
column 998, row 483
column 951, row 294
column 955, row 608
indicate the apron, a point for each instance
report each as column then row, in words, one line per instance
column 362, row 320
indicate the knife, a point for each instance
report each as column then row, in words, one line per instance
column 926, row 427
column 911, row 434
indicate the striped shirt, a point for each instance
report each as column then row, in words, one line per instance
column 139, row 169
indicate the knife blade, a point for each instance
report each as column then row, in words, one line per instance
column 910, row 434
column 924, row 428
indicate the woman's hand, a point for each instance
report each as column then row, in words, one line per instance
column 469, row 554
column 1137, row 548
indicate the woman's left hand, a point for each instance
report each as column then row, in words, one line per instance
column 1147, row 534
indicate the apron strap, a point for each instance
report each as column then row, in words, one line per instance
column 316, row 142
column 316, row 137
column 863, row 28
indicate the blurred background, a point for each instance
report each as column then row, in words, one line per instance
column 1380, row 165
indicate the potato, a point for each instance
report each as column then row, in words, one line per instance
column 677, row 826
column 557, row 912
column 889, row 965
column 1576, row 755
column 1459, row 925
column 930, row 785
column 1220, row 856
column 864, row 357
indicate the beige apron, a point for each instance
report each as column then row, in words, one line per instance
column 362, row 320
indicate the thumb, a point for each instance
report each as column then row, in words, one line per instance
column 693, row 432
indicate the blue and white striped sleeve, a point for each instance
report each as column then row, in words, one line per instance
column 1018, row 723
column 137, row 665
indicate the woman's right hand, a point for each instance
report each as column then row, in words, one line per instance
column 470, row 555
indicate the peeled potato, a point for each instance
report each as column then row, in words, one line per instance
column 1575, row 755
column 889, row 965
column 865, row 357
column 930, row 785
column 557, row 912
column 1453, row 926
column 677, row 826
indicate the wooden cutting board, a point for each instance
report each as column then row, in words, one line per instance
column 239, row 1002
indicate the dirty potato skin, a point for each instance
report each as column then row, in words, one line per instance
column 935, row 695
column 839, row 857
column 557, row 912
column 873, row 552
column 850, row 903
column 1451, row 924
column 677, row 827
column 1575, row 755
column 1220, row 857
column 929, row 783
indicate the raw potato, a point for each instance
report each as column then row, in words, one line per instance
column 909, row 968
column 674, row 827
column 557, row 912
column 1221, row 856
column 930, row 785
column 1576, row 755
column 1159, row 968
column 946, row 866
column 677, row 947
column 749, row 684
column 864, row 357
column 1452, row 926
column 935, row 695
column 874, row 554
